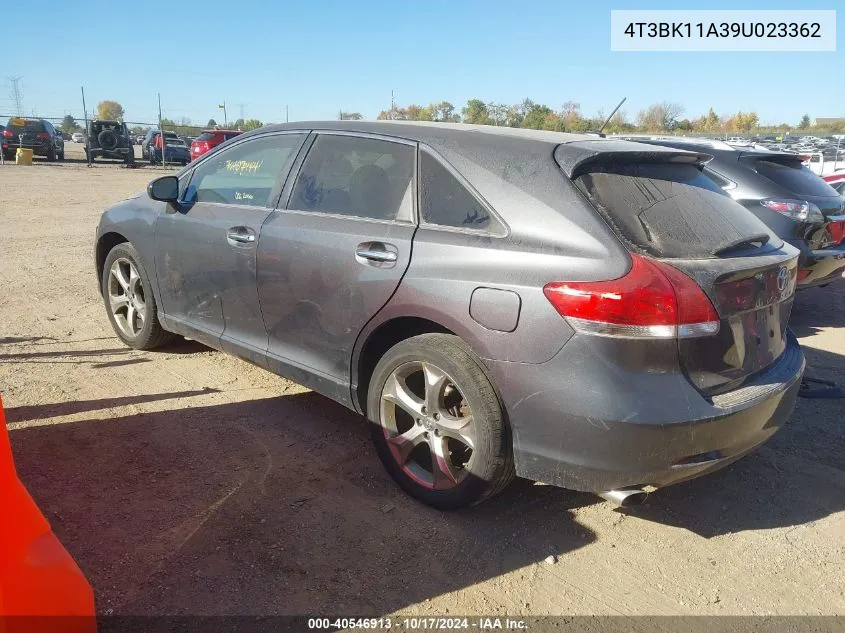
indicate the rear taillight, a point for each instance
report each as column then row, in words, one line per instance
column 654, row 300
column 800, row 210
column 7, row 134
column 42, row 135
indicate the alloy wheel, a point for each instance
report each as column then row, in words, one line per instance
column 428, row 425
column 127, row 301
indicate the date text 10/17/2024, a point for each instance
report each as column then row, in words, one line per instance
column 418, row 624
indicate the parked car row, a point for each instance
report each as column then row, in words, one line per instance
column 398, row 269
column 109, row 139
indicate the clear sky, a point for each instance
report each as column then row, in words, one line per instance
column 318, row 56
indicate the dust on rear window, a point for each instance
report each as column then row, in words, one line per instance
column 670, row 210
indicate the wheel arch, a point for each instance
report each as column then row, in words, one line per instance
column 105, row 243
column 381, row 339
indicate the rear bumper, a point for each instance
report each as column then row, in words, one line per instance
column 594, row 426
column 39, row 149
column 816, row 267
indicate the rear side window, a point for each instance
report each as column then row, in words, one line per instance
column 245, row 174
column 205, row 136
column 792, row 175
column 361, row 177
column 445, row 201
column 670, row 210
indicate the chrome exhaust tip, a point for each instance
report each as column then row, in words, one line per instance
column 625, row 497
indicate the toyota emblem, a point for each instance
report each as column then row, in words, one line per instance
column 783, row 281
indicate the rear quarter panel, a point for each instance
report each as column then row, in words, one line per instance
column 552, row 234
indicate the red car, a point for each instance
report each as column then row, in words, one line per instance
column 210, row 139
column 42, row 590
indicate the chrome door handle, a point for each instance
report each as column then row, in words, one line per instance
column 240, row 235
column 376, row 255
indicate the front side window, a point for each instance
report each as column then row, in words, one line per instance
column 445, row 201
column 361, row 177
column 245, row 174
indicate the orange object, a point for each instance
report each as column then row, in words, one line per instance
column 42, row 590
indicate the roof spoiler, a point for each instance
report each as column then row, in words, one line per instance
column 579, row 157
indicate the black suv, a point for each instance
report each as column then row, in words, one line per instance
column 789, row 198
column 110, row 139
column 39, row 135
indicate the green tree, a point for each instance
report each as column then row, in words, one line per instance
column 498, row 113
column 110, row 111
column 238, row 125
column 211, row 123
column 537, row 116
column 251, row 124
column 805, row 122
column 659, row 117
column 476, row 112
column 444, row 111
column 69, row 125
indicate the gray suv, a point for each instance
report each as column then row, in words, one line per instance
column 590, row 313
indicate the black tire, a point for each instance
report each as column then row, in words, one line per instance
column 61, row 155
column 130, row 157
column 51, row 154
column 151, row 335
column 490, row 468
column 107, row 139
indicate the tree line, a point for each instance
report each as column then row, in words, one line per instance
column 663, row 117
column 660, row 117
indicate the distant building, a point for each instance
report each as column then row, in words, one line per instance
column 829, row 121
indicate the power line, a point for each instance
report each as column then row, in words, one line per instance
column 16, row 94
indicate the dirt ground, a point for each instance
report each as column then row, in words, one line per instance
column 189, row 482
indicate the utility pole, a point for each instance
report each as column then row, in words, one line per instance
column 392, row 106
column 87, row 140
column 241, row 106
column 286, row 114
column 16, row 94
column 222, row 106
column 161, row 134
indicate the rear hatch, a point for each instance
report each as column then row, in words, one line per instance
column 665, row 209
column 807, row 195
column 29, row 129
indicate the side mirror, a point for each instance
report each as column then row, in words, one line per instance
column 165, row 189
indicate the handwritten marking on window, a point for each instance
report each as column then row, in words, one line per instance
column 242, row 167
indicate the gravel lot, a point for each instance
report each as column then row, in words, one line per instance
column 189, row 482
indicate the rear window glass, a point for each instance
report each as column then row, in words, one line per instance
column 31, row 126
column 792, row 175
column 205, row 136
column 670, row 210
